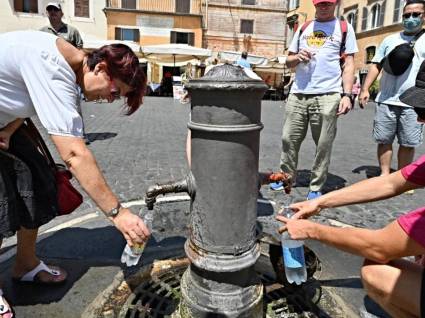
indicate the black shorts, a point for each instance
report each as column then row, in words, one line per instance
column 28, row 195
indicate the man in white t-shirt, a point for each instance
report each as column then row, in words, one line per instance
column 321, row 90
column 394, row 118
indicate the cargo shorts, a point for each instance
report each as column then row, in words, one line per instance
column 391, row 121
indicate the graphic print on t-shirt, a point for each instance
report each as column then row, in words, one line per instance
column 317, row 39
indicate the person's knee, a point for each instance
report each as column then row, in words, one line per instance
column 370, row 275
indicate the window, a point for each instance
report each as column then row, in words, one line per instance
column 250, row 2
column 183, row 6
column 293, row 4
column 82, row 8
column 352, row 19
column 374, row 16
column 29, row 6
column 247, row 26
column 370, row 53
column 182, row 37
column 127, row 34
column 364, row 19
column 398, row 10
column 128, row 4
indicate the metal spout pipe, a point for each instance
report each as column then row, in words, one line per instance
column 185, row 185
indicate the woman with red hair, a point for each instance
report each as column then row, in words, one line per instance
column 41, row 74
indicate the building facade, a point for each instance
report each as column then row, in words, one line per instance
column 149, row 22
column 86, row 15
column 298, row 13
column 255, row 26
column 372, row 20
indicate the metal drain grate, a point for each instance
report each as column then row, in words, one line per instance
column 160, row 296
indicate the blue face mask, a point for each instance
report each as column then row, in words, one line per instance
column 412, row 24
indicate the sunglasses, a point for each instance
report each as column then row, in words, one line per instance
column 412, row 14
column 53, row 9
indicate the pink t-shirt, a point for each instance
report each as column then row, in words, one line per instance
column 413, row 223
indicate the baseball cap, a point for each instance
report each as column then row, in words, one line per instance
column 415, row 96
column 54, row 4
column 320, row 1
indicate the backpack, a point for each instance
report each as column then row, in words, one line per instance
column 344, row 27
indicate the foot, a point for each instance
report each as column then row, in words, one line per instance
column 5, row 309
column 40, row 274
column 276, row 186
column 313, row 195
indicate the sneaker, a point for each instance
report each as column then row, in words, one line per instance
column 313, row 195
column 276, row 186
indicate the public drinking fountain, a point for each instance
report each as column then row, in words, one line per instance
column 219, row 278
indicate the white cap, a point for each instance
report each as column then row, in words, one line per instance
column 54, row 4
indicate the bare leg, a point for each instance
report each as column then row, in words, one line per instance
column 395, row 286
column 26, row 259
column 405, row 156
column 385, row 153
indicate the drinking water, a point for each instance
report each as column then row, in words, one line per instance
column 293, row 255
column 131, row 255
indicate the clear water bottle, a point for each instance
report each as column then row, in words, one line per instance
column 293, row 255
column 131, row 255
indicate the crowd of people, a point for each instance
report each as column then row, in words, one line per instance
column 44, row 74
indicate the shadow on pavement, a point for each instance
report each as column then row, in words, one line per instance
column 100, row 136
column 90, row 253
column 333, row 182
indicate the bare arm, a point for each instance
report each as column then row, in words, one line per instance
column 381, row 245
column 347, row 82
column 372, row 75
column 83, row 166
column 7, row 131
column 369, row 190
column 294, row 59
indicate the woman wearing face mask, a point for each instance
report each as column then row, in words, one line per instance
column 40, row 74
column 398, row 57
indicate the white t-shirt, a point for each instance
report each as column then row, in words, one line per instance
column 390, row 86
column 322, row 74
column 35, row 79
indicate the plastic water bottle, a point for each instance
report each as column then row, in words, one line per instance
column 293, row 255
column 131, row 255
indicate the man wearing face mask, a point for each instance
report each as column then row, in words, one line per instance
column 398, row 57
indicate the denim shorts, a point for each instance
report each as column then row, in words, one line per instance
column 391, row 121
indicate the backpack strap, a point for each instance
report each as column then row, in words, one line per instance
column 344, row 27
column 303, row 27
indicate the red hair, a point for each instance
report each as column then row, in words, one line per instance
column 124, row 65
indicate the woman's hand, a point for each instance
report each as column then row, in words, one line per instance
column 4, row 139
column 305, row 209
column 297, row 229
column 132, row 227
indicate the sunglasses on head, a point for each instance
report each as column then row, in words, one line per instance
column 412, row 14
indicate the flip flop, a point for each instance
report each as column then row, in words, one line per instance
column 6, row 310
column 32, row 278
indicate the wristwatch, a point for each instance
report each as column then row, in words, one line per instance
column 349, row 95
column 114, row 212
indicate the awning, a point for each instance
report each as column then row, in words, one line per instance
column 273, row 65
column 173, row 53
column 232, row 57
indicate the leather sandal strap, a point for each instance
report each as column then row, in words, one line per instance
column 29, row 277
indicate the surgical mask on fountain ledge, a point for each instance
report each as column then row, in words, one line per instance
column 412, row 24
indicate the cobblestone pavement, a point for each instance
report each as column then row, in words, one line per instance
column 149, row 146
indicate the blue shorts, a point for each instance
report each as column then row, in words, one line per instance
column 391, row 121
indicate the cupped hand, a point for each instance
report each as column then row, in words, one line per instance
column 297, row 229
column 305, row 209
column 132, row 227
column 345, row 106
column 363, row 98
column 304, row 56
column 4, row 140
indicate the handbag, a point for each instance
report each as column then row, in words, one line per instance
column 68, row 197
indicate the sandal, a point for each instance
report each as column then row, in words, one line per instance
column 59, row 275
column 6, row 310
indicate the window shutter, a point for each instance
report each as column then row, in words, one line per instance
column 82, row 8
column 18, row 5
column 118, row 34
column 191, row 39
column 136, row 35
column 354, row 25
column 382, row 14
column 173, row 37
column 396, row 16
column 364, row 19
column 183, row 6
column 128, row 4
column 33, row 6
